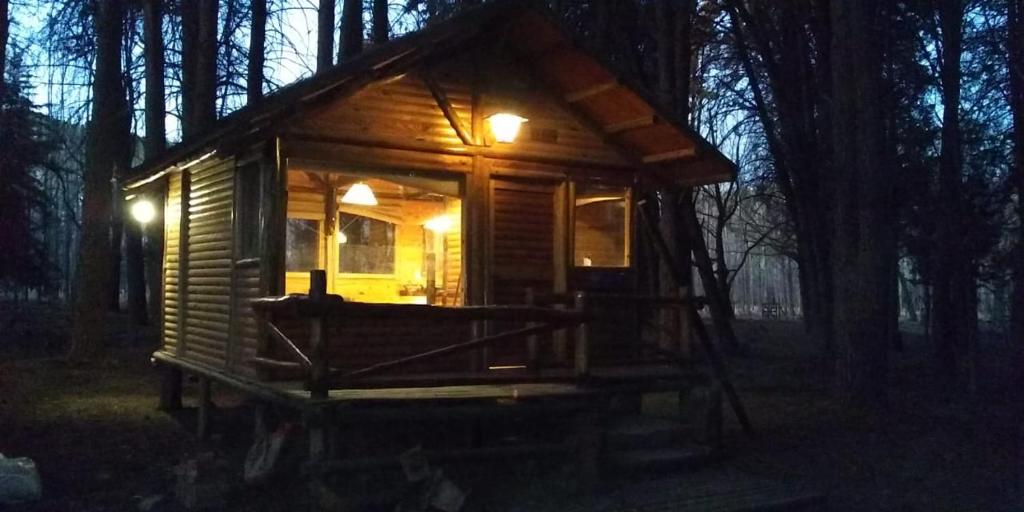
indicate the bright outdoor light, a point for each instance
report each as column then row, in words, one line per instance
column 505, row 126
column 360, row 194
column 341, row 237
column 439, row 224
column 143, row 211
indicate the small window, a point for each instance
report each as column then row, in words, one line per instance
column 301, row 245
column 365, row 245
column 601, row 227
column 247, row 201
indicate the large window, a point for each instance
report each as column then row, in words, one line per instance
column 302, row 245
column 601, row 227
column 365, row 245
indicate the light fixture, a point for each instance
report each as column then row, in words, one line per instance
column 143, row 211
column 341, row 237
column 439, row 224
column 360, row 194
column 505, row 126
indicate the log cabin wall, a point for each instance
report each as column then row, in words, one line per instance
column 172, row 232
column 210, row 252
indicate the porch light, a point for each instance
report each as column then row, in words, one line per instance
column 143, row 211
column 439, row 224
column 505, row 126
column 359, row 194
column 341, row 237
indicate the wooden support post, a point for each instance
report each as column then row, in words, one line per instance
column 532, row 342
column 170, row 389
column 477, row 358
column 319, row 369
column 582, row 359
column 205, row 406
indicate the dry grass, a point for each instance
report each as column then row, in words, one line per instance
column 100, row 444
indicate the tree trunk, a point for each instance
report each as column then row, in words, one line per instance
column 155, row 142
column 199, row 66
column 950, row 327
column 257, row 52
column 381, row 29
column 135, row 274
column 325, row 35
column 156, row 131
column 351, row 37
column 102, row 154
column 861, row 217
column 5, row 27
column 1016, row 49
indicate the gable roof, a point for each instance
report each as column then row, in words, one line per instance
column 623, row 113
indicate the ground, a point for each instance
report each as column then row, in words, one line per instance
column 100, row 443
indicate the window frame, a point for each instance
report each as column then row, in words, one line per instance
column 247, row 217
column 627, row 224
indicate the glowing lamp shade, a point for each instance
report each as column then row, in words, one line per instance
column 505, row 126
column 359, row 194
column 143, row 211
column 439, row 224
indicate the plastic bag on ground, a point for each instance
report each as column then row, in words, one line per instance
column 19, row 481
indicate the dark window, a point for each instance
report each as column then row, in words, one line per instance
column 301, row 247
column 247, row 201
column 365, row 245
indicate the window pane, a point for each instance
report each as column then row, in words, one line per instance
column 366, row 246
column 248, row 210
column 600, row 227
column 301, row 237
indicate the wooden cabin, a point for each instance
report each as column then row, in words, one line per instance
column 388, row 173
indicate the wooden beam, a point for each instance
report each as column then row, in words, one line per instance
column 631, row 124
column 676, row 154
column 587, row 92
column 446, row 107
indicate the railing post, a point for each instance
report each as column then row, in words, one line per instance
column 582, row 359
column 532, row 341
column 318, row 372
column 478, row 357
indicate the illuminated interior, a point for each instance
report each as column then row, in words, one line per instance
column 601, row 226
column 406, row 248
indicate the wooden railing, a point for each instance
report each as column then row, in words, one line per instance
column 319, row 309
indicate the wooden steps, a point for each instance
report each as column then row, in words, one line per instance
column 731, row 496
column 642, row 443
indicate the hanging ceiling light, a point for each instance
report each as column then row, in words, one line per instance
column 360, row 194
column 505, row 126
column 439, row 224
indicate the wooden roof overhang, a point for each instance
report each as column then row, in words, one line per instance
column 625, row 115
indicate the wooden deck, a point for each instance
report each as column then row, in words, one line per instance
column 494, row 385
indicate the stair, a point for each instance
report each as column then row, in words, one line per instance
column 643, row 443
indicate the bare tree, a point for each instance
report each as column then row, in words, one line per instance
column 1015, row 33
column 5, row 28
column 863, row 225
column 381, row 25
column 257, row 51
column 350, row 40
column 199, row 65
column 325, row 35
column 102, row 156
column 952, row 278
